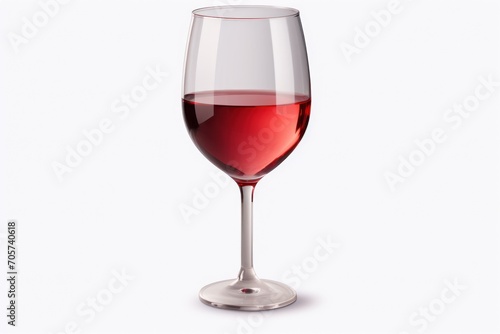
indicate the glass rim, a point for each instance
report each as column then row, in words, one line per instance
column 220, row 12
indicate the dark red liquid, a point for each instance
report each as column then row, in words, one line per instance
column 246, row 133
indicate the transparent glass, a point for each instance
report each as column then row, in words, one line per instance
column 246, row 103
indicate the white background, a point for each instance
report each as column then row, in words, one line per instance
column 119, row 209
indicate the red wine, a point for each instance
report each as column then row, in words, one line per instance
column 246, row 133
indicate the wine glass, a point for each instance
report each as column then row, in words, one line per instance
column 246, row 104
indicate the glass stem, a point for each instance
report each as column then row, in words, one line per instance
column 247, row 272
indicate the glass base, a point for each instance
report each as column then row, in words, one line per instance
column 248, row 295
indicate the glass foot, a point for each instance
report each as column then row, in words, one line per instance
column 248, row 295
